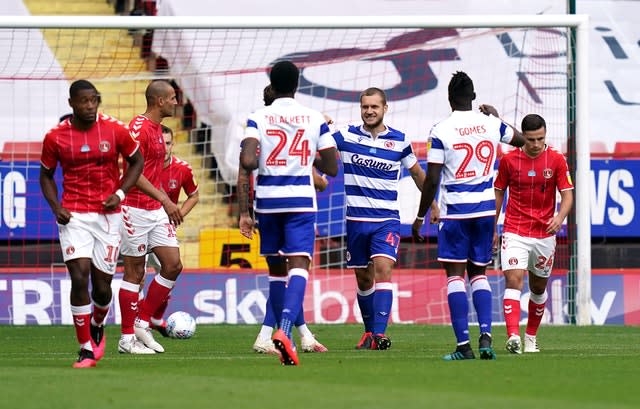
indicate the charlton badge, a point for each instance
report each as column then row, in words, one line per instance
column 70, row 250
column 173, row 184
column 104, row 146
column 547, row 173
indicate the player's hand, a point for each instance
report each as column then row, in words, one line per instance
column 434, row 218
column 415, row 230
column 489, row 110
column 111, row 203
column 246, row 225
column 495, row 243
column 554, row 225
column 173, row 211
column 320, row 182
column 63, row 216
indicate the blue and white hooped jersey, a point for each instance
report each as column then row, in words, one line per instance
column 372, row 171
column 289, row 135
column 466, row 144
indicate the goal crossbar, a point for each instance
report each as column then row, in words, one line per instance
column 203, row 22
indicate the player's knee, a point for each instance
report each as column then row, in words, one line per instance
column 79, row 282
column 383, row 274
column 537, row 288
column 101, row 294
column 365, row 281
column 173, row 269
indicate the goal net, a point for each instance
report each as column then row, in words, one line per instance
column 220, row 66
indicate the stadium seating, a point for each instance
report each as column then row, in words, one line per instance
column 599, row 150
column 626, row 150
column 420, row 149
column 23, row 151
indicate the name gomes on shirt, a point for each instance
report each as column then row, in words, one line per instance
column 477, row 129
column 370, row 163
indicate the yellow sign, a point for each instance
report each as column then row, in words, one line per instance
column 227, row 248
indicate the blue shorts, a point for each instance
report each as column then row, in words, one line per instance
column 371, row 239
column 287, row 234
column 462, row 240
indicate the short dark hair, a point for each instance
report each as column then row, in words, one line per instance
column 461, row 88
column 267, row 95
column 79, row 85
column 533, row 122
column 166, row 129
column 155, row 89
column 374, row 91
column 284, row 77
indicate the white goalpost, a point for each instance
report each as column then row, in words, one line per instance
column 220, row 66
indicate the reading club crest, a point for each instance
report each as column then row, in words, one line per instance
column 547, row 173
column 389, row 144
column 104, row 146
column 70, row 250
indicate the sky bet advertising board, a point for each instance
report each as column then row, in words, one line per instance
column 41, row 297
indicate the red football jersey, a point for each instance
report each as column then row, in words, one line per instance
column 89, row 161
column 149, row 135
column 178, row 175
column 532, row 184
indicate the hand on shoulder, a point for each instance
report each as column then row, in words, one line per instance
column 489, row 110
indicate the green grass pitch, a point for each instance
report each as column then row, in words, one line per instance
column 579, row 367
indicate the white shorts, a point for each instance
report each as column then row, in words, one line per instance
column 92, row 235
column 142, row 230
column 525, row 253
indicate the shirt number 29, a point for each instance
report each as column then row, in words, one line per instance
column 484, row 156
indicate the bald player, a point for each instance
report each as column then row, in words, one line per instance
column 149, row 225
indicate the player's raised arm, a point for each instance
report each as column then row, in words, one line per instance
column 518, row 139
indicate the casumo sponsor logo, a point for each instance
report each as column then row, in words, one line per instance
column 370, row 163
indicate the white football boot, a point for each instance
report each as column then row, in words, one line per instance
column 133, row 346
column 264, row 346
column 145, row 335
column 530, row 344
column 311, row 344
